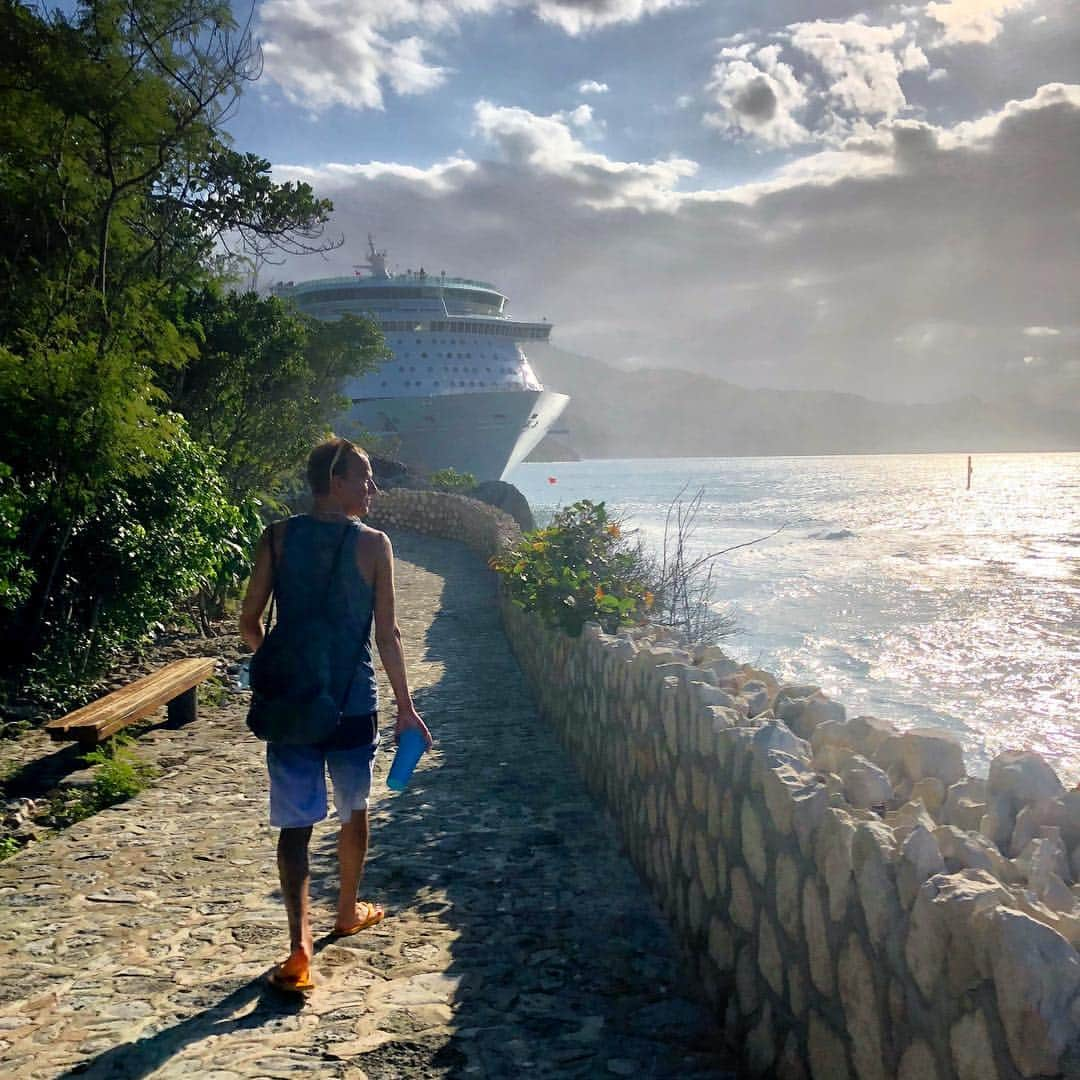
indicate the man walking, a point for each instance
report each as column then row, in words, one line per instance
column 330, row 553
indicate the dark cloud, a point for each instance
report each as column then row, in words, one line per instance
column 756, row 100
column 909, row 272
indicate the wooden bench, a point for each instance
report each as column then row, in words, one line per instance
column 175, row 684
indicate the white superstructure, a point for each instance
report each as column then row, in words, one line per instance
column 459, row 391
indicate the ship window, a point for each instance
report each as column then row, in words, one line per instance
column 436, row 382
column 424, row 355
column 500, row 416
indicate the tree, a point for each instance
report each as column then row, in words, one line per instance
column 121, row 199
column 264, row 386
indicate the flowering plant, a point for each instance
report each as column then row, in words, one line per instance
column 580, row 568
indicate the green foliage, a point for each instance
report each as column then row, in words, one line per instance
column 450, row 479
column 9, row 846
column 153, row 537
column 264, row 387
column 143, row 409
column 119, row 776
column 578, row 569
column 16, row 577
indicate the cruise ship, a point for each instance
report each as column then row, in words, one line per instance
column 458, row 391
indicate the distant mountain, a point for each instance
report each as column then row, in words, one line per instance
column 670, row 413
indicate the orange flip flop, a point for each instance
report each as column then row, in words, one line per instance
column 293, row 976
column 373, row 914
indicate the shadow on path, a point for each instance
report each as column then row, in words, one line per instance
column 558, row 961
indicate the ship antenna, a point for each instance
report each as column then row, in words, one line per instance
column 376, row 263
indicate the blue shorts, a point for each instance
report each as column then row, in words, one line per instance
column 298, row 781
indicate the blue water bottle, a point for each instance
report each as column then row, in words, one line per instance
column 411, row 744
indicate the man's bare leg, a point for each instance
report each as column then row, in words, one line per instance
column 294, row 872
column 352, row 851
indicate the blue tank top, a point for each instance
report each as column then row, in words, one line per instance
column 304, row 563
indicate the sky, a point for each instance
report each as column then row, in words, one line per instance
column 872, row 197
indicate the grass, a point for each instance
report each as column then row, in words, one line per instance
column 119, row 775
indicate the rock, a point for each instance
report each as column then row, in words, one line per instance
column 1061, row 812
column 873, row 854
column 1023, row 777
column 807, row 714
column 827, row 1056
column 856, row 982
column 792, row 793
column 712, row 695
column 756, row 696
column 931, row 792
column 920, row 859
column 965, row 804
column 817, row 940
column 761, row 1044
column 721, row 945
column 1043, row 857
column 753, row 842
column 832, row 855
column 786, row 888
column 865, row 785
column 1058, row 908
column 746, row 981
column 776, row 735
column 923, row 752
column 911, row 815
column 939, row 939
column 864, row 734
column 972, row 1049
column 998, row 821
column 756, row 675
column 770, row 961
column 742, row 908
column 963, row 850
column 790, row 1065
column 1036, row 976
column 917, row 1063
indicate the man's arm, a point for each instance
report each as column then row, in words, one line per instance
column 388, row 642
column 260, row 585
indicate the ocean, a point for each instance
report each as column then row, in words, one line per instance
column 889, row 585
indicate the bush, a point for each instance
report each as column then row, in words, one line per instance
column 578, row 569
column 155, row 537
column 120, row 775
column 451, row 480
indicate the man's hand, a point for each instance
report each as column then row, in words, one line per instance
column 408, row 717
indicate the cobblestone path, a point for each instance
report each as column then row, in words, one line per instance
column 518, row 941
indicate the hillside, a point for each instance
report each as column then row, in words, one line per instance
column 669, row 413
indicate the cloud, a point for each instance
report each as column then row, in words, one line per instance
column 835, row 79
column 591, row 86
column 904, row 263
column 966, row 22
column 581, row 16
column 344, row 52
column 1041, row 331
column 756, row 94
column 546, row 145
column 337, row 52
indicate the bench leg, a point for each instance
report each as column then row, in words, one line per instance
column 184, row 708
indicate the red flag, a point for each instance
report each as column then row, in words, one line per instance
column 553, row 480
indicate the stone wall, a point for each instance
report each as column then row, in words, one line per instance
column 481, row 527
column 852, row 903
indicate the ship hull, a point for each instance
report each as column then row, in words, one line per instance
column 485, row 434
